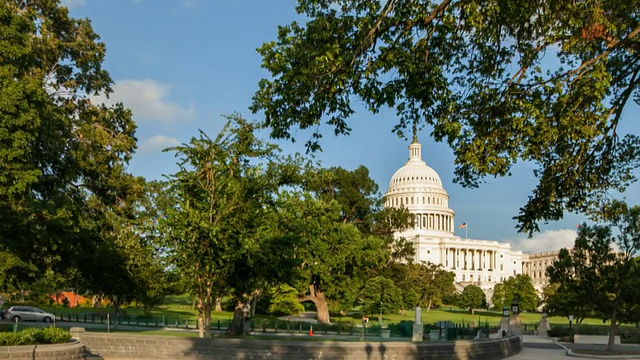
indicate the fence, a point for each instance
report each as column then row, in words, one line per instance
column 401, row 329
column 156, row 321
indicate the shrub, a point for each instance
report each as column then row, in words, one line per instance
column 284, row 301
column 9, row 304
column 34, row 336
column 404, row 328
column 629, row 336
column 559, row 331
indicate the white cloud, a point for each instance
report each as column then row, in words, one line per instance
column 547, row 241
column 147, row 100
column 72, row 4
column 158, row 143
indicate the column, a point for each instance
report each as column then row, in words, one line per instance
column 495, row 260
column 453, row 257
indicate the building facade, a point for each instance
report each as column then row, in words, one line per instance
column 418, row 187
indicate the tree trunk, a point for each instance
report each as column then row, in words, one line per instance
column 204, row 318
column 319, row 299
column 218, row 304
column 239, row 317
column 473, row 311
column 429, row 305
column 201, row 319
column 612, row 329
column 207, row 319
column 254, row 303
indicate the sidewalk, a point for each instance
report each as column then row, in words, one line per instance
column 624, row 351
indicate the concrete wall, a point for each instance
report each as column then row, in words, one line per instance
column 70, row 351
column 169, row 347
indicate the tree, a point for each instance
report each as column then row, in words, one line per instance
column 339, row 236
column 354, row 190
column 517, row 287
column 423, row 284
column 472, row 298
column 15, row 274
column 381, row 295
column 334, row 258
column 567, row 300
column 211, row 227
column 499, row 81
column 60, row 150
column 593, row 267
column 284, row 301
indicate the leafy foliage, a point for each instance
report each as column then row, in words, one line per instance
column 607, row 278
column 63, row 156
column 212, row 222
column 499, row 81
column 381, row 295
column 472, row 298
column 284, row 301
column 35, row 336
column 517, row 287
column 423, row 284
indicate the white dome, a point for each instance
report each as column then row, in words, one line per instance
column 415, row 173
column 418, row 188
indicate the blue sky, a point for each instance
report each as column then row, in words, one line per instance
column 180, row 65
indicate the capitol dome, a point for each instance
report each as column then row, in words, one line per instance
column 415, row 172
column 418, row 187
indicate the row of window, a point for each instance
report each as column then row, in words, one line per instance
column 500, row 279
column 411, row 200
column 414, row 178
column 472, row 266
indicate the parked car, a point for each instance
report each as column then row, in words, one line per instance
column 2, row 311
column 28, row 313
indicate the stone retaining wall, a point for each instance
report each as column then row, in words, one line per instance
column 73, row 350
column 168, row 347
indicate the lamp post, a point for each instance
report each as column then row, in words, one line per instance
column 381, row 314
column 570, row 321
column 515, row 306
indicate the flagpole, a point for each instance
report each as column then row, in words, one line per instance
column 466, row 230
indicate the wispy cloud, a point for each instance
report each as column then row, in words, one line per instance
column 148, row 100
column 547, row 241
column 158, row 143
column 72, row 4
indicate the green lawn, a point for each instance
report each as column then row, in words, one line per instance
column 178, row 310
column 462, row 316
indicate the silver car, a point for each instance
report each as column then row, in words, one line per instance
column 28, row 313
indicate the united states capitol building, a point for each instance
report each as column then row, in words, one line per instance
column 484, row 263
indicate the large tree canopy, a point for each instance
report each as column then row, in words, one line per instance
column 57, row 148
column 605, row 275
column 501, row 81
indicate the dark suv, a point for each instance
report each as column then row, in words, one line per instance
column 2, row 311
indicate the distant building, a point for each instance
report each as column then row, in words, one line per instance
column 485, row 263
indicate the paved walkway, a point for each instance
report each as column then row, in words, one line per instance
column 537, row 348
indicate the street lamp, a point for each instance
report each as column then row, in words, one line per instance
column 380, row 313
column 515, row 306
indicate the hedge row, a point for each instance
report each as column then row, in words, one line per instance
column 35, row 336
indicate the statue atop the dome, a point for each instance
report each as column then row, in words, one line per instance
column 415, row 133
